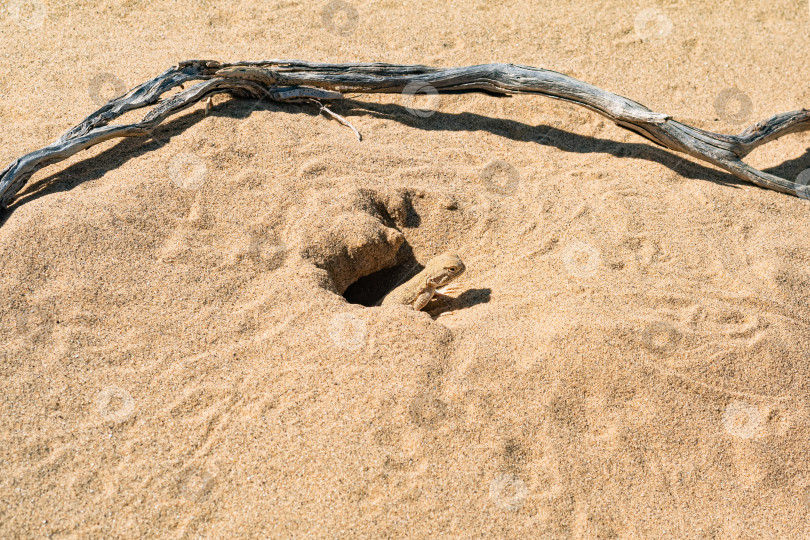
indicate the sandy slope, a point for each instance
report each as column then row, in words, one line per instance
column 629, row 358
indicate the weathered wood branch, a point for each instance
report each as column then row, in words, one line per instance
column 285, row 80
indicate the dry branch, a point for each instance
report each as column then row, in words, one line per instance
column 288, row 80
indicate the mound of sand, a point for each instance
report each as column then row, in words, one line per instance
column 190, row 342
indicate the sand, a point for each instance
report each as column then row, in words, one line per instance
column 628, row 357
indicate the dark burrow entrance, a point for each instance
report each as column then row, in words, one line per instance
column 371, row 289
column 363, row 232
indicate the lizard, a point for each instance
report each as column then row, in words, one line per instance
column 417, row 291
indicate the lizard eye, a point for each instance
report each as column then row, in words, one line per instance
column 452, row 268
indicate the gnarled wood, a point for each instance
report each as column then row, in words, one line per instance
column 284, row 80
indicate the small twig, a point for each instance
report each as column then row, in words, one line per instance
column 337, row 117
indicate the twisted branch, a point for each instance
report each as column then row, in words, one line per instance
column 290, row 80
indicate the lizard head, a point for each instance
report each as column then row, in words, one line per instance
column 445, row 268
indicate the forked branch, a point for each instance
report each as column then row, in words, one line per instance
column 291, row 80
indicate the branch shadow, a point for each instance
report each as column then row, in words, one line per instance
column 791, row 168
column 130, row 148
column 566, row 141
column 546, row 135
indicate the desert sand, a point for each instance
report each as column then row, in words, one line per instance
column 628, row 358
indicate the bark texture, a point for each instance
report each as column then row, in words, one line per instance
column 286, row 80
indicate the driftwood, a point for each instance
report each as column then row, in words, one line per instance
column 287, row 80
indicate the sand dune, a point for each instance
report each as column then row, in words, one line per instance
column 628, row 356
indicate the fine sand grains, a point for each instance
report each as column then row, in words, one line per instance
column 628, row 357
